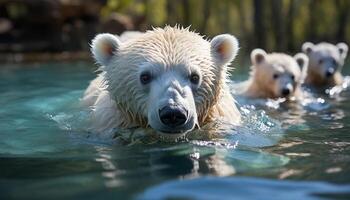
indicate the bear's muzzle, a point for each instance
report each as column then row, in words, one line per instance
column 173, row 116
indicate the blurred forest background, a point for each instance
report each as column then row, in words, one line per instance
column 30, row 29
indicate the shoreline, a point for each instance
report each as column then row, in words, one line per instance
column 44, row 57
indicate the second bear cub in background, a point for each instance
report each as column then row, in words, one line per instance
column 326, row 62
column 275, row 75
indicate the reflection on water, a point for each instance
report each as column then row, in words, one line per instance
column 185, row 160
column 46, row 152
column 110, row 170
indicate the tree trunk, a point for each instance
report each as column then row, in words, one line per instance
column 342, row 19
column 312, row 26
column 290, row 26
column 186, row 13
column 171, row 12
column 278, row 25
column 206, row 15
column 259, row 25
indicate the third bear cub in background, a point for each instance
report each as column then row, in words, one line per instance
column 275, row 75
column 326, row 62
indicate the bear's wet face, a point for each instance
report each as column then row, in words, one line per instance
column 278, row 75
column 326, row 60
column 330, row 66
column 326, row 67
column 171, row 93
column 168, row 79
column 283, row 81
column 284, row 84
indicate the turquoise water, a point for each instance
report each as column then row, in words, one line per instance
column 281, row 152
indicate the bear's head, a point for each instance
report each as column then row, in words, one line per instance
column 168, row 78
column 326, row 60
column 277, row 74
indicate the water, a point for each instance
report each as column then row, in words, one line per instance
column 281, row 151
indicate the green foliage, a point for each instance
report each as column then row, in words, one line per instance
column 283, row 25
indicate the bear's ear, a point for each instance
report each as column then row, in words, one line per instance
column 307, row 47
column 224, row 48
column 258, row 56
column 343, row 49
column 103, row 47
column 303, row 62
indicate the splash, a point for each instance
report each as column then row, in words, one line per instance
column 257, row 129
column 335, row 91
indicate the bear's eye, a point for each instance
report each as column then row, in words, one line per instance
column 275, row 76
column 145, row 78
column 194, row 79
column 292, row 77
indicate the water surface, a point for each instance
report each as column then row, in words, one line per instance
column 281, row 152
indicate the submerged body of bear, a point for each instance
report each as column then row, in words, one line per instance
column 326, row 62
column 170, row 79
column 274, row 75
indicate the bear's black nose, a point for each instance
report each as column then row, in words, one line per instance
column 172, row 116
column 285, row 91
column 329, row 72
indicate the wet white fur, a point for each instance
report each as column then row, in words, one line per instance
column 317, row 70
column 261, row 83
column 118, row 100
